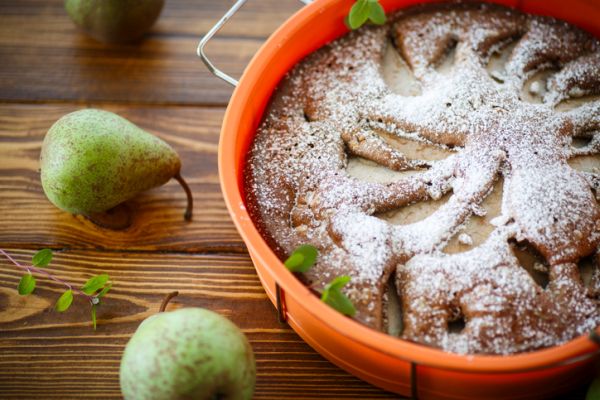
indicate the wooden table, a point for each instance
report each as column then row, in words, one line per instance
column 47, row 69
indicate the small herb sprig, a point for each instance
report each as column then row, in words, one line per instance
column 363, row 11
column 332, row 294
column 302, row 259
column 93, row 290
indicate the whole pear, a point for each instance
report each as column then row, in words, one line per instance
column 190, row 353
column 114, row 21
column 93, row 160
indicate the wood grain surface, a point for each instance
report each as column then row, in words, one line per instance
column 31, row 220
column 46, row 354
column 47, row 69
column 46, row 59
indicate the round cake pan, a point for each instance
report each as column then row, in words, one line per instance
column 399, row 366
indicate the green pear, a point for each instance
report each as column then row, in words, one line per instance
column 190, row 353
column 114, row 20
column 93, row 160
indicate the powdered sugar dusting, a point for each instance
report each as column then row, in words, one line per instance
column 338, row 102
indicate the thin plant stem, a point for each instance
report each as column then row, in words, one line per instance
column 30, row 268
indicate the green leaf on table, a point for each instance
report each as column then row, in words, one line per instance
column 359, row 13
column 26, row 284
column 94, row 316
column 376, row 13
column 42, row 258
column 104, row 291
column 64, row 301
column 334, row 297
column 593, row 392
column 94, row 284
column 302, row 258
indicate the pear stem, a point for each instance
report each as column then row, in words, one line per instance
column 166, row 300
column 188, row 192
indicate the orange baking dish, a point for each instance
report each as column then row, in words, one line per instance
column 393, row 364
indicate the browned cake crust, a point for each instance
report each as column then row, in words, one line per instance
column 337, row 104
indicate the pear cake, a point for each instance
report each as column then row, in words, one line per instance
column 447, row 162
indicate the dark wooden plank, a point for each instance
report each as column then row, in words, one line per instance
column 159, row 71
column 178, row 18
column 45, row 58
column 46, row 354
column 29, row 220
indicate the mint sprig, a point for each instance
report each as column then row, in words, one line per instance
column 93, row 290
column 363, row 11
column 42, row 258
column 302, row 258
column 334, row 297
column 104, row 291
column 64, row 301
column 26, row 284
column 94, row 284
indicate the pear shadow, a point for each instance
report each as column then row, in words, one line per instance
column 117, row 218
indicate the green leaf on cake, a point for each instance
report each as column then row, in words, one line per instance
column 302, row 258
column 359, row 13
column 363, row 11
column 334, row 297
column 377, row 15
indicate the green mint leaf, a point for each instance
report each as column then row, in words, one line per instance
column 302, row 258
column 377, row 15
column 593, row 392
column 104, row 291
column 26, row 284
column 338, row 283
column 333, row 296
column 294, row 261
column 359, row 13
column 94, row 316
column 42, row 258
column 347, row 22
column 64, row 301
column 340, row 302
column 94, row 284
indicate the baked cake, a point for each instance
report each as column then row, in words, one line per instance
column 446, row 161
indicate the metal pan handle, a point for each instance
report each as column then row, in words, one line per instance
column 200, row 50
